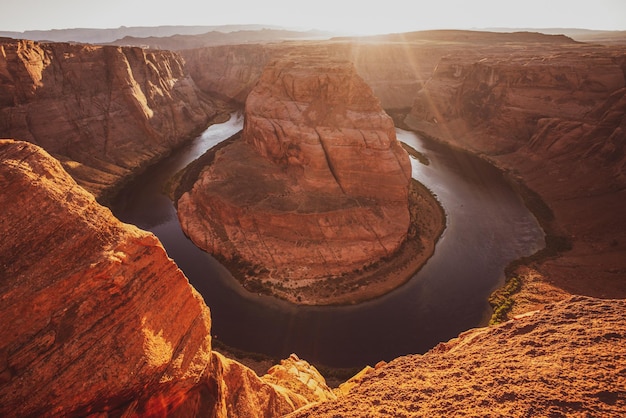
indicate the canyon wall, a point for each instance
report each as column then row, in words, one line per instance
column 395, row 72
column 229, row 72
column 555, row 119
column 105, row 112
column 394, row 66
column 98, row 320
column 318, row 185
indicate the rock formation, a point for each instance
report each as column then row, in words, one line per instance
column 554, row 118
column 228, row 72
column 98, row 320
column 87, row 302
column 317, row 188
column 103, row 111
column 566, row 360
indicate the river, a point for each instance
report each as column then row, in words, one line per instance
column 487, row 227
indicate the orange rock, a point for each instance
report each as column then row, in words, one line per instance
column 566, row 360
column 319, row 187
column 87, row 302
column 103, row 111
column 554, row 117
column 96, row 318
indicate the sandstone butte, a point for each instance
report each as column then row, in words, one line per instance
column 105, row 112
column 316, row 189
column 96, row 319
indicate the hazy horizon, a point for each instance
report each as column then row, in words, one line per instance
column 348, row 16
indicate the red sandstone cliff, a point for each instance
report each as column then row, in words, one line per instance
column 103, row 111
column 98, row 320
column 317, row 188
column 554, row 118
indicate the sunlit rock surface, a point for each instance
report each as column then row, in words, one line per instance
column 105, row 112
column 566, row 360
column 318, row 185
column 555, row 118
column 98, row 320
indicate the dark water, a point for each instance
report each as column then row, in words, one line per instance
column 488, row 226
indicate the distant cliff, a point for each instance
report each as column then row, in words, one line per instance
column 555, row 119
column 395, row 66
column 395, row 72
column 105, row 112
column 98, row 320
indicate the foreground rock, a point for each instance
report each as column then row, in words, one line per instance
column 567, row 360
column 98, row 320
column 316, row 189
column 555, row 119
column 105, row 112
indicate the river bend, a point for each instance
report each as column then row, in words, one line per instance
column 487, row 227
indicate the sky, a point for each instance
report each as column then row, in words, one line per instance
column 350, row 16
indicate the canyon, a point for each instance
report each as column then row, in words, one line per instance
column 547, row 110
column 100, row 295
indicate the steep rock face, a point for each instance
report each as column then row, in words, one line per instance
column 323, row 121
column 395, row 66
column 103, row 111
column 506, row 95
column 395, row 72
column 97, row 319
column 555, row 119
column 87, row 301
column 317, row 187
column 566, row 360
column 229, row 72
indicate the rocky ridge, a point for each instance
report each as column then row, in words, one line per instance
column 87, row 305
column 105, row 112
column 316, row 188
column 568, row 359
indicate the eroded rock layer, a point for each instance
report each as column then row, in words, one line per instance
column 97, row 319
column 317, row 187
column 566, row 360
column 103, row 111
column 555, row 118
